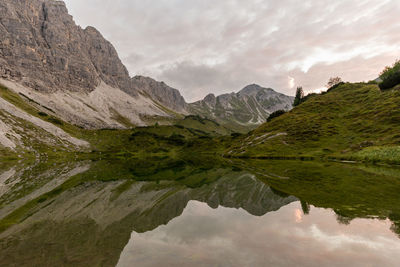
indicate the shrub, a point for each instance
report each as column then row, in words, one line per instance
column 390, row 76
column 390, row 81
column 275, row 114
column 389, row 70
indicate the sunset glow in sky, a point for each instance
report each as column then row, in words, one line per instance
column 208, row 46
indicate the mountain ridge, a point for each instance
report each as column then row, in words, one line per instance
column 244, row 110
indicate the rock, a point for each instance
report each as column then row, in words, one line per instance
column 73, row 71
column 248, row 108
column 162, row 93
column 41, row 46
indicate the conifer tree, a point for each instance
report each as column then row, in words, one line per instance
column 299, row 96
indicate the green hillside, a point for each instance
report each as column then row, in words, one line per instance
column 156, row 140
column 352, row 121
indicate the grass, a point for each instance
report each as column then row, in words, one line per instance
column 337, row 124
column 350, row 122
column 121, row 119
column 387, row 154
column 163, row 140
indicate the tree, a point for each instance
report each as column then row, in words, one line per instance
column 389, row 70
column 299, row 96
column 333, row 81
column 390, row 76
column 305, row 207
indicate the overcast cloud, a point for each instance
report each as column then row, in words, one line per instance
column 203, row 46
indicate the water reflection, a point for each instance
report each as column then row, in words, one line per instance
column 202, row 211
column 202, row 236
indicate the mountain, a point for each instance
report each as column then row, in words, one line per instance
column 351, row 121
column 160, row 92
column 59, row 82
column 244, row 110
column 74, row 73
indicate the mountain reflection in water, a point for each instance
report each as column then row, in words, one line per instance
column 198, row 213
column 202, row 236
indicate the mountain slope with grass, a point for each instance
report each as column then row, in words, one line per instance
column 350, row 121
column 29, row 130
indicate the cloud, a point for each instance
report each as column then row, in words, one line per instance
column 220, row 46
column 291, row 82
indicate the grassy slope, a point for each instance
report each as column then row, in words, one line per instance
column 158, row 140
column 353, row 121
column 227, row 119
column 340, row 124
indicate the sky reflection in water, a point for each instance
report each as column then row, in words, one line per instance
column 202, row 236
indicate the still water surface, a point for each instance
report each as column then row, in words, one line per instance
column 202, row 236
column 199, row 213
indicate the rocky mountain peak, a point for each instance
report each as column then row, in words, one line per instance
column 246, row 109
column 160, row 92
column 253, row 89
column 43, row 48
column 210, row 99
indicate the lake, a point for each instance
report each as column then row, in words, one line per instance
column 199, row 212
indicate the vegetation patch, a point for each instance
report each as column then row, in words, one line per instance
column 390, row 76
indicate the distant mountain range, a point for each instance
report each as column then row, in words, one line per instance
column 246, row 109
column 76, row 75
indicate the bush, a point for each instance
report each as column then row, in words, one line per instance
column 390, row 81
column 390, row 76
column 275, row 114
column 389, row 70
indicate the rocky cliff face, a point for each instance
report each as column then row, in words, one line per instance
column 243, row 110
column 41, row 46
column 162, row 93
column 74, row 73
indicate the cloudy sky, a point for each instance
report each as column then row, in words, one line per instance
column 203, row 46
